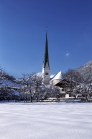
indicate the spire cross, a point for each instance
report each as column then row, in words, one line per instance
column 46, row 28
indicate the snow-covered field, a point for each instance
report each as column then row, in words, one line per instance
column 45, row 121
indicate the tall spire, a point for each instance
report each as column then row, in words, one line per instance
column 46, row 56
column 46, row 67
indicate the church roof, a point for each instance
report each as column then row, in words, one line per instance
column 58, row 76
column 46, row 56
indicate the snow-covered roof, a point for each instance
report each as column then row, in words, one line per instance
column 51, row 76
column 58, row 76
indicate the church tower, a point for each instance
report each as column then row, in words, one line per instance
column 46, row 66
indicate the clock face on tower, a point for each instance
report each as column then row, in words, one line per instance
column 46, row 73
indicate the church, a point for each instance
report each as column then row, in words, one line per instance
column 46, row 68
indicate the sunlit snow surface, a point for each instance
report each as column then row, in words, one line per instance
column 45, row 121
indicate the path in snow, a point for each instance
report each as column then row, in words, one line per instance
column 46, row 121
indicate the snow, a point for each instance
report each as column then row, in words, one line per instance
column 15, row 92
column 9, row 83
column 58, row 76
column 39, row 74
column 45, row 120
column 51, row 76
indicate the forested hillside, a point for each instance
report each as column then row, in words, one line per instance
column 86, row 71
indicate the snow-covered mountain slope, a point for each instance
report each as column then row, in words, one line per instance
column 7, row 82
column 86, row 71
column 8, row 86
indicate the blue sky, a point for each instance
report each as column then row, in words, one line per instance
column 23, row 30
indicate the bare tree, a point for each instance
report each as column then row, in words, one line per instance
column 73, row 77
column 32, row 84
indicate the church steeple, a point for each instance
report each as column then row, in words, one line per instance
column 46, row 66
column 46, row 56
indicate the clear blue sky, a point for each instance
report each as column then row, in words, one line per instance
column 23, row 29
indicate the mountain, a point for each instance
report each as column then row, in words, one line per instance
column 86, row 71
column 8, row 87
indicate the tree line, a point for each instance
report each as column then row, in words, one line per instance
column 31, row 87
